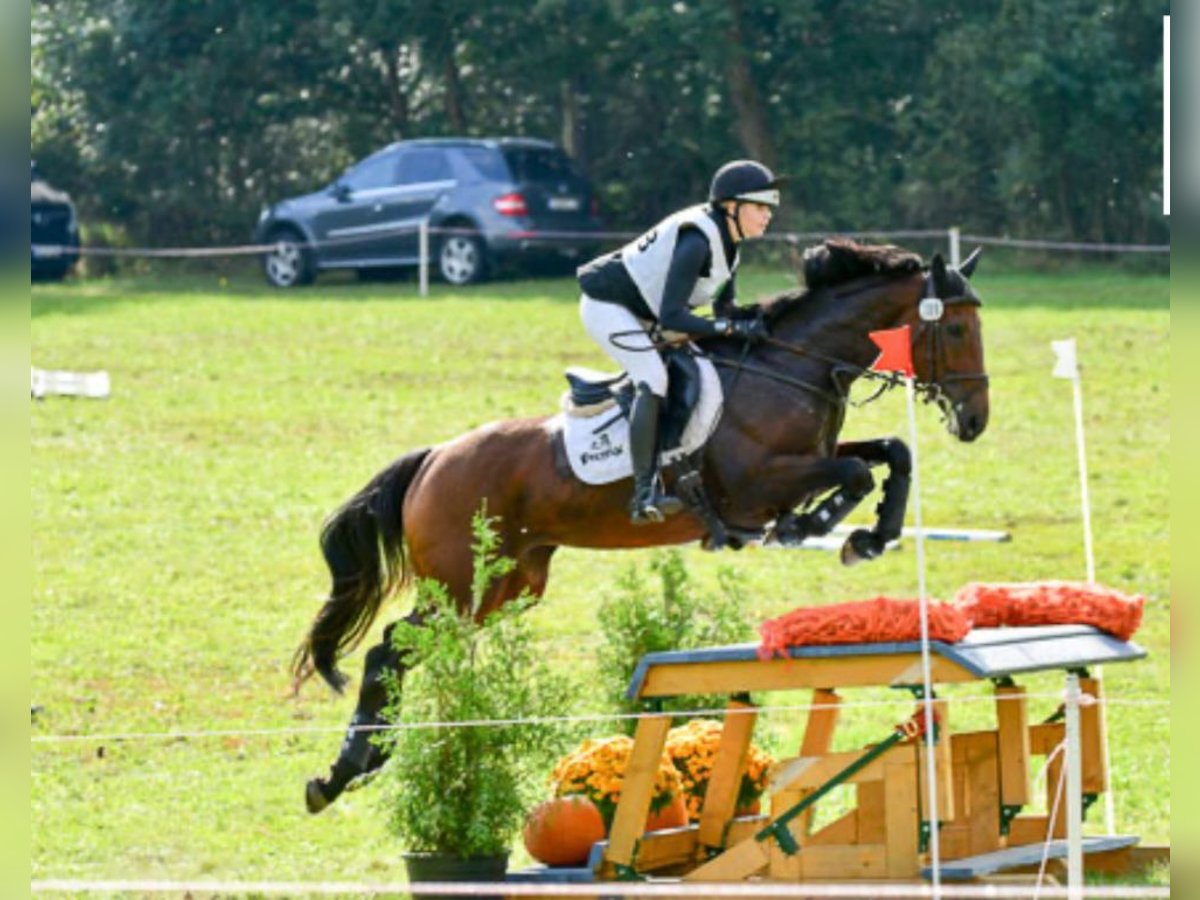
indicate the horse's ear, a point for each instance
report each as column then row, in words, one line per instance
column 968, row 265
column 937, row 268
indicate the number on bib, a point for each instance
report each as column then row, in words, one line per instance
column 649, row 238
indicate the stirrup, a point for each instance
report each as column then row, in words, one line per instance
column 646, row 514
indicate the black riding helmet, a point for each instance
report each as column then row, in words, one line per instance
column 745, row 180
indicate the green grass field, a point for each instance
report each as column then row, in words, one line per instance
column 175, row 537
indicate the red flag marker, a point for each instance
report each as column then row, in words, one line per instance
column 895, row 345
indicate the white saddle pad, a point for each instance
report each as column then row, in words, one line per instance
column 598, row 445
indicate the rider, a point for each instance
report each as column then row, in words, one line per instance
column 652, row 284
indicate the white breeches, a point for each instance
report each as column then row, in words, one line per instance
column 603, row 321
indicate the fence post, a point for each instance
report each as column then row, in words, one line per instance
column 423, row 251
column 1074, row 792
column 955, row 246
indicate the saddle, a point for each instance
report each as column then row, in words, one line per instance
column 592, row 392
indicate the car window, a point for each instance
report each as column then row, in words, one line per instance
column 375, row 172
column 538, row 163
column 487, row 162
column 422, row 166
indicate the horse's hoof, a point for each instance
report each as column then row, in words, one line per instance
column 861, row 545
column 314, row 797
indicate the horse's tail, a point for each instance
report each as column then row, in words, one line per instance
column 363, row 545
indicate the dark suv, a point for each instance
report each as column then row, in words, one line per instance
column 53, row 231
column 500, row 201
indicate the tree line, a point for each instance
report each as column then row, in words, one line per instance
column 177, row 121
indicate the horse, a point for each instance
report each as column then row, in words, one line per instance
column 772, row 468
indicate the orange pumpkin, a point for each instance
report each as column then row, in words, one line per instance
column 673, row 815
column 561, row 832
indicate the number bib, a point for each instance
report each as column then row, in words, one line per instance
column 648, row 258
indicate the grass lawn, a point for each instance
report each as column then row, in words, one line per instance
column 176, row 564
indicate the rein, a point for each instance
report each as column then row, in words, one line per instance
column 931, row 310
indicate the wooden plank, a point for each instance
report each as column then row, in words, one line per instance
column 845, row 862
column 842, row 830
column 942, row 760
column 1128, row 861
column 720, row 799
column 1044, row 737
column 663, row 849
column 900, row 817
column 870, row 821
column 1012, row 721
column 1054, row 773
column 818, row 736
column 980, row 810
column 739, row 676
column 1028, row 830
column 637, row 790
column 813, row 772
column 954, row 841
column 739, row 862
column 1092, row 737
column 781, row 866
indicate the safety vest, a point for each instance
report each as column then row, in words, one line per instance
column 648, row 259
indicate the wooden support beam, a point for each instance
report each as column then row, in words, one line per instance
column 1092, row 737
column 1012, row 719
column 871, row 801
column 818, row 736
column 942, row 760
column 735, row 677
column 808, row 772
column 637, row 790
column 720, row 799
column 975, row 758
column 900, row 816
column 1044, row 737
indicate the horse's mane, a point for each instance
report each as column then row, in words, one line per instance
column 837, row 261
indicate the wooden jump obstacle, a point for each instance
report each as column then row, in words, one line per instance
column 984, row 777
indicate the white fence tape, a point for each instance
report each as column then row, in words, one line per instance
column 592, row 889
column 177, row 734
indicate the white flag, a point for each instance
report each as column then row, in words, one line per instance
column 1065, row 365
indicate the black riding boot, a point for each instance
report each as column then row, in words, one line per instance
column 359, row 756
column 648, row 504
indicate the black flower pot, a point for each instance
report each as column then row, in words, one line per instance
column 446, row 867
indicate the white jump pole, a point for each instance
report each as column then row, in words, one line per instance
column 955, row 246
column 1074, row 792
column 895, row 355
column 423, row 252
column 935, row 854
column 1067, row 366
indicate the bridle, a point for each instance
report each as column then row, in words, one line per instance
column 931, row 311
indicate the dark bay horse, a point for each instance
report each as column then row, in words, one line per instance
column 774, row 461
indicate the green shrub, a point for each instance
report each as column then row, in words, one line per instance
column 636, row 620
column 464, row 789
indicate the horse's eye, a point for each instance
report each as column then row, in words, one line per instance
column 956, row 332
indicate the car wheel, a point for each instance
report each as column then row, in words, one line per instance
column 289, row 262
column 462, row 259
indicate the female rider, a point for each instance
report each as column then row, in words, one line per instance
column 652, row 284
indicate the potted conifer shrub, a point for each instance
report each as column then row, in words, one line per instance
column 456, row 794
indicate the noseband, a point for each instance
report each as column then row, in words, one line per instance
column 932, row 309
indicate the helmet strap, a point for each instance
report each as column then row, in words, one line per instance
column 735, row 218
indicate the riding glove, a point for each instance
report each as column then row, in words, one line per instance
column 753, row 330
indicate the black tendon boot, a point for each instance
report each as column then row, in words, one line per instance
column 648, row 504
column 359, row 756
